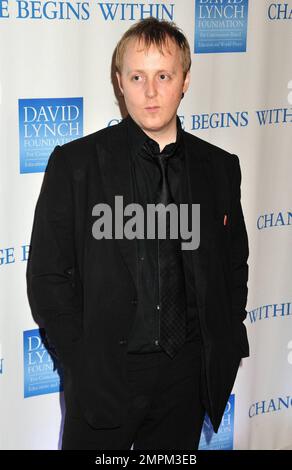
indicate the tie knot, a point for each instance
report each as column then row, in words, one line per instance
column 152, row 148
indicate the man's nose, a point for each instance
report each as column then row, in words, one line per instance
column 150, row 89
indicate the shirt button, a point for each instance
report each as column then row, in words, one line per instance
column 158, row 307
column 156, row 342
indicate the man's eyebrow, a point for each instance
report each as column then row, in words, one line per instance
column 158, row 71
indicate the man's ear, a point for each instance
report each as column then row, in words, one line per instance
column 119, row 79
column 186, row 81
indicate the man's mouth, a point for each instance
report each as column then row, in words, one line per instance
column 152, row 108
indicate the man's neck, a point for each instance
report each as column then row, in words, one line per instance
column 164, row 137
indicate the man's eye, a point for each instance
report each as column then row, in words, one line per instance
column 163, row 76
column 136, row 78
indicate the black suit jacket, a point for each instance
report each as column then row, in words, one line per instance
column 83, row 290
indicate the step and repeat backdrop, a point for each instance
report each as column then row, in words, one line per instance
column 56, row 86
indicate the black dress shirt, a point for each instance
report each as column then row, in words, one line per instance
column 145, row 182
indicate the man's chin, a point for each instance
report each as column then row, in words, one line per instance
column 152, row 124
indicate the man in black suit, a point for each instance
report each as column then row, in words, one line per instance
column 150, row 335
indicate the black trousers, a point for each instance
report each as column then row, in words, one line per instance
column 165, row 410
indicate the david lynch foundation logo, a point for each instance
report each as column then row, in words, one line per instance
column 223, row 440
column 43, row 124
column 41, row 372
column 220, row 26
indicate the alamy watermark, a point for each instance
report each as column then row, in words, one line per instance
column 183, row 222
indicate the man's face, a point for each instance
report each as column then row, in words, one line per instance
column 152, row 85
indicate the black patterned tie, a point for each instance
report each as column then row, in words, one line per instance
column 172, row 296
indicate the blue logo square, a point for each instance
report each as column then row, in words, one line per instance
column 42, row 374
column 223, row 440
column 220, row 27
column 43, row 124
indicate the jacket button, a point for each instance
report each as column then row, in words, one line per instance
column 122, row 342
column 134, row 301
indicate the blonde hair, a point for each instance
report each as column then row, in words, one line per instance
column 157, row 32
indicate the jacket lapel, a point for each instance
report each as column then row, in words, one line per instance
column 114, row 161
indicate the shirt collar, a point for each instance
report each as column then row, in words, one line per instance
column 138, row 137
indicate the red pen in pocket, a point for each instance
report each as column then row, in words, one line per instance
column 225, row 219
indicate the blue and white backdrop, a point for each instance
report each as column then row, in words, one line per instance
column 55, row 86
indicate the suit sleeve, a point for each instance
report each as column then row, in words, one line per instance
column 239, row 248
column 54, row 295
